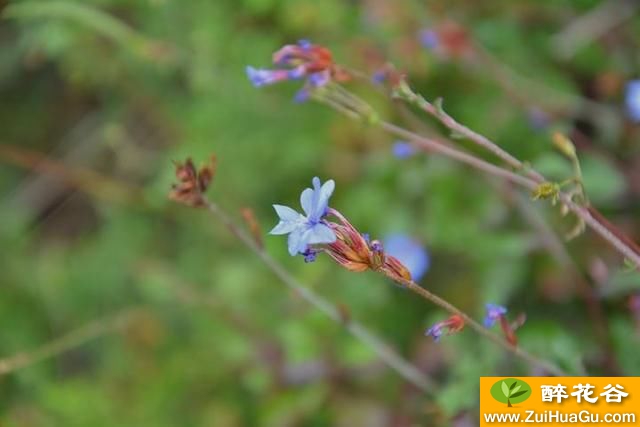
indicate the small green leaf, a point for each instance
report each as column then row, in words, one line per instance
column 515, row 389
column 520, row 393
column 513, row 385
column 438, row 104
column 505, row 389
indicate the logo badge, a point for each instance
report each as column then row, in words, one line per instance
column 510, row 391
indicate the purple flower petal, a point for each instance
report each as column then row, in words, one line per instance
column 632, row 100
column 289, row 220
column 320, row 78
column 494, row 313
column 320, row 233
column 261, row 77
column 403, row 150
column 429, row 38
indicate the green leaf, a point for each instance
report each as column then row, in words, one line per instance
column 505, row 389
column 515, row 389
column 520, row 393
column 513, row 385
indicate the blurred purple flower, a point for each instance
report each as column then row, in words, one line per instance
column 429, row 38
column 403, row 150
column 455, row 323
column 303, row 60
column 494, row 313
column 538, row 118
column 379, row 76
column 409, row 252
column 262, row 77
column 310, row 229
column 632, row 100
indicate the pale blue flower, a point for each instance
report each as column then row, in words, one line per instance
column 632, row 99
column 494, row 313
column 409, row 252
column 310, row 229
column 403, row 150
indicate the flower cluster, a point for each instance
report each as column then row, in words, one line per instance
column 452, row 325
column 193, row 183
column 313, row 232
column 303, row 60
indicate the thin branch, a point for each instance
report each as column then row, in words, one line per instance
column 92, row 183
column 67, row 342
column 605, row 229
column 359, row 331
column 436, row 147
column 592, row 25
column 382, row 350
column 429, row 296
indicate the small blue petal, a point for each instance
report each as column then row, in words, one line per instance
column 310, row 255
column 285, row 213
column 379, row 77
column 302, row 95
column 435, row 331
column 409, row 252
column 632, row 100
column 320, row 233
column 306, row 200
column 295, row 242
column 320, row 78
column 297, row 73
column 403, row 150
column 320, row 199
column 304, row 44
column 494, row 312
column 429, row 39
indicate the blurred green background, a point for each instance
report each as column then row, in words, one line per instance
column 97, row 97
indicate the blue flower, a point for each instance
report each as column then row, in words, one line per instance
column 632, row 99
column 435, row 331
column 403, row 149
column 494, row 313
column 454, row 324
column 429, row 38
column 262, row 77
column 409, row 252
column 310, row 229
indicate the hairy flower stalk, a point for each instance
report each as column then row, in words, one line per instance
column 355, row 253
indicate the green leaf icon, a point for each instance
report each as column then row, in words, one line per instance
column 520, row 393
column 510, row 391
column 505, row 389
